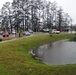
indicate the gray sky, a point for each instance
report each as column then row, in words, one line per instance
column 67, row 5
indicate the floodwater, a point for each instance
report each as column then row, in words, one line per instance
column 57, row 53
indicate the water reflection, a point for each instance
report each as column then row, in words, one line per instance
column 60, row 52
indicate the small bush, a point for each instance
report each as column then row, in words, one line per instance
column 73, row 39
column 0, row 39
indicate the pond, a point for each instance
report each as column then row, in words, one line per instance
column 57, row 53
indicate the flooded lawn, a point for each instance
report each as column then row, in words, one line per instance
column 57, row 53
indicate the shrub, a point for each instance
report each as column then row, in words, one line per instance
column 0, row 39
column 73, row 39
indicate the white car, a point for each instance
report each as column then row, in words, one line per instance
column 31, row 31
column 1, row 32
column 13, row 32
column 55, row 31
column 45, row 30
column 26, row 33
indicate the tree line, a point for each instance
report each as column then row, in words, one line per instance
column 33, row 14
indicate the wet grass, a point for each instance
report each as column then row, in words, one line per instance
column 15, row 59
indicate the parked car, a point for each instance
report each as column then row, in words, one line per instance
column 13, row 32
column 45, row 30
column 9, row 32
column 55, row 31
column 1, row 32
column 5, row 34
column 26, row 33
column 31, row 31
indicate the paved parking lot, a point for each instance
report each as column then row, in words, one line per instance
column 15, row 37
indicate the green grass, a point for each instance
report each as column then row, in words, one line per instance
column 15, row 59
column 73, row 39
column 5, row 38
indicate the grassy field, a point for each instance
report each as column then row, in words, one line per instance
column 5, row 38
column 15, row 59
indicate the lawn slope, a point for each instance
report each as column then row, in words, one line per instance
column 15, row 59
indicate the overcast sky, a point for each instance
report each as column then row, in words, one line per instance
column 67, row 5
